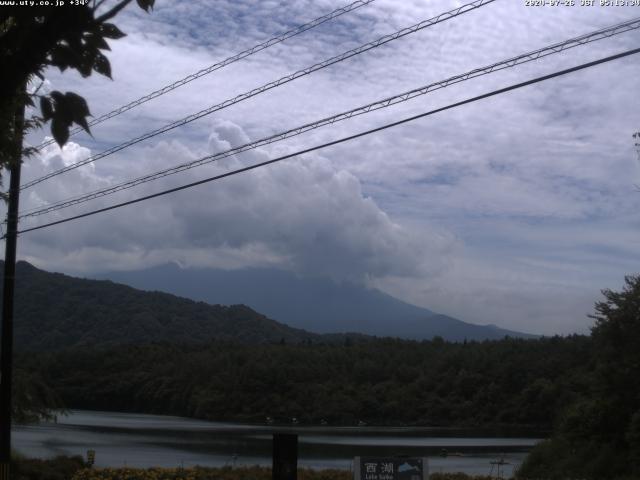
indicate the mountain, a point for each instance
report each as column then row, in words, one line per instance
column 54, row 311
column 313, row 304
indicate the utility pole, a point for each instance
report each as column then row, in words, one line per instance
column 285, row 456
column 6, row 343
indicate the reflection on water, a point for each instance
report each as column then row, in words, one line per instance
column 154, row 440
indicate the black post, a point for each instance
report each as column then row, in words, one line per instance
column 285, row 457
column 6, row 344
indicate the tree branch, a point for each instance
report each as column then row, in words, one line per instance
column 98, row 4
column 113, row 12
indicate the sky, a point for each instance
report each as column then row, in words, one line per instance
column 516, row 210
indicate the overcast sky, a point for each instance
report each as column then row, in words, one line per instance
column 516, row 210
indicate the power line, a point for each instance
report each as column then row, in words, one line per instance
column 227, row 61
column 276, row 83
column 341, row 140
column 403, row 97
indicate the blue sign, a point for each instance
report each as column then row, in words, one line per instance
column 391, row 468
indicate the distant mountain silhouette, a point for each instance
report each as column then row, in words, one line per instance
column 313, row 304
column 54, row 311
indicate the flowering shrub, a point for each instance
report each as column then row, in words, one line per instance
column 59, row 468
column 201, row 473
column 227, row 473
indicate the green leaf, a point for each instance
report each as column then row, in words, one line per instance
column 82, row 121
column 96, row 41
column 77, row 104
column 79, row 109
column 64, row 57
column 62, row 110
column 56, row 95
column 60, row 131
column 46, row 108
column 75, row 42
column 109, row 30
column 86, row 64
column 146, row 4
column 101, row 65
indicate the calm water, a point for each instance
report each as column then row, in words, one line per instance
column 153, row 440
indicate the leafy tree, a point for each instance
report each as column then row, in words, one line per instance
column 599, row 435
column 617, row 337
column 33, row 398
column 34, row 38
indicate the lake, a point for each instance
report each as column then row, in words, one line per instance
column 155, row 440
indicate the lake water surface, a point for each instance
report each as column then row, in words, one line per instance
column 155, row 440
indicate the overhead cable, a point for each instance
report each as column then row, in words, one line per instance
column 276, row 83
column 336, row 142
column 380, row 104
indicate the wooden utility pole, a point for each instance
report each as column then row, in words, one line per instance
column 6, row 343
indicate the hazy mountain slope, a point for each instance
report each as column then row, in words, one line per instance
column 315, row 305
column 57, row 311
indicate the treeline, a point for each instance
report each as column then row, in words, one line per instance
column 383, row 381
column 597, row 436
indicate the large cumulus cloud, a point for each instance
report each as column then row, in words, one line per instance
column 303, row 214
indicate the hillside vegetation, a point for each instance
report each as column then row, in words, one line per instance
column 598, row 435
column 385, row 381
column 55, row 311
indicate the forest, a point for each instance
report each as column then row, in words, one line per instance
column 383, row 381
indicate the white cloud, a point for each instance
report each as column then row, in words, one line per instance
column 303, row 215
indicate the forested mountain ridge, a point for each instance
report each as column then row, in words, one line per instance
column 54, row 311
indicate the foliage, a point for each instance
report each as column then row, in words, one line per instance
column 33, row 38
column 228, row 473
column 458, row 476
column 599, row 433
column 32, row 398
column 37, row 37
column 381, row 381
column 202, row 473
column 75, row 468
column 557, row 459
column 59, row 468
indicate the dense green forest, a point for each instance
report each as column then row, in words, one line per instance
column 383, row 381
